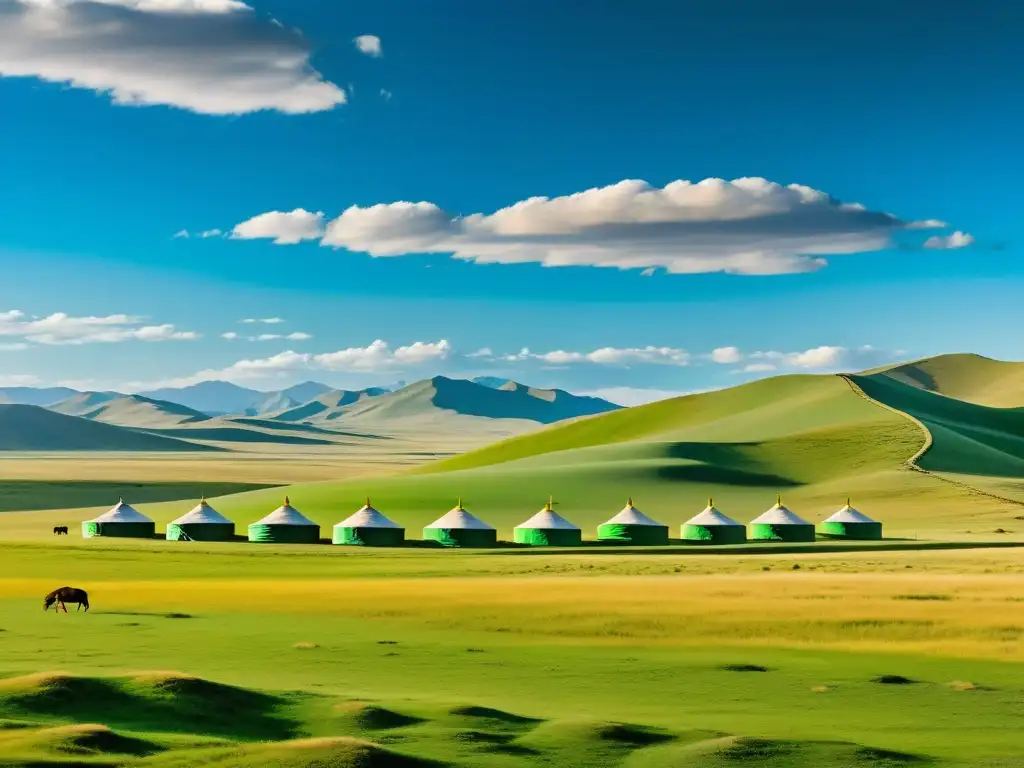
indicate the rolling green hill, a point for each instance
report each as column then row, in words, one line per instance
column 128, row 410
column 815, row 439
column 32, row 428
column 967, row 438
column 968, row 377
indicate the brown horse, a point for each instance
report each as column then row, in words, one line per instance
column 66, row 595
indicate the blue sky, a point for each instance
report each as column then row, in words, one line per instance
column 129, row 121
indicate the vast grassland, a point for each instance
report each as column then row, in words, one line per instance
column 221, row 655
column 827, row 655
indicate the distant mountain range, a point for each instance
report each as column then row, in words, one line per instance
column 219, row 398
column 441, row 399
column 222, row 412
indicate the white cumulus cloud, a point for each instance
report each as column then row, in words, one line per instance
column 213, row 57
column 726, row 355
column 946, row 242
column 370, row 45
column 60, row 328
column 378, row 356
column 283, row 228
column 744, row 226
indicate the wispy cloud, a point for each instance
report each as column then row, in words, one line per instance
column 630, row 396
column 264, row 320
column 297, row 336
column 649, row 355
column 826, row 358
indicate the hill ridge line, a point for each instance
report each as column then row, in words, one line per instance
column 929, row 440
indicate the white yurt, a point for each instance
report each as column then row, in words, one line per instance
column 123, row 521
column 369, row 528
column 631, row 526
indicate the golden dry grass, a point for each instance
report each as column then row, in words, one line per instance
column 976, row 615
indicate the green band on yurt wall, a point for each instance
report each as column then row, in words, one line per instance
column 714, row 534
column 369, row 537
column 462, row 537
column 284, row 534
column 773, row 532
column 861, row 531
column 200, row 532
column 633, row 534
column 119, row 530
column 549, row 537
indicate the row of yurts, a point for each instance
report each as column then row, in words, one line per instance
column 459, row 528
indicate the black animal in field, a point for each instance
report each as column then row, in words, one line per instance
column 66, row 595
column 60, row 530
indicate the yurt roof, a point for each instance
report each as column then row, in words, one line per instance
column 779, row 515
column 122, row 513
column 849, row 515
column 459, row 518
column 202, row 514
column 711, row 516
column 368, row 517
column 630, row 515
column 548, row 520
column 285, row 515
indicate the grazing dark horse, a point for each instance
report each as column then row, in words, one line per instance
column 66, row 595
column 60, row 530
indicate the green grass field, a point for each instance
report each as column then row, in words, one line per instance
column 908, row 652
column 225, row 655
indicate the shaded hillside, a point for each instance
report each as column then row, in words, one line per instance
column 968, row 377
column 327, row 406
column 761, row 410
column 34, row 395
column 32, row 428
column 128, row 410
column 968, row 438
column 441, row 397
